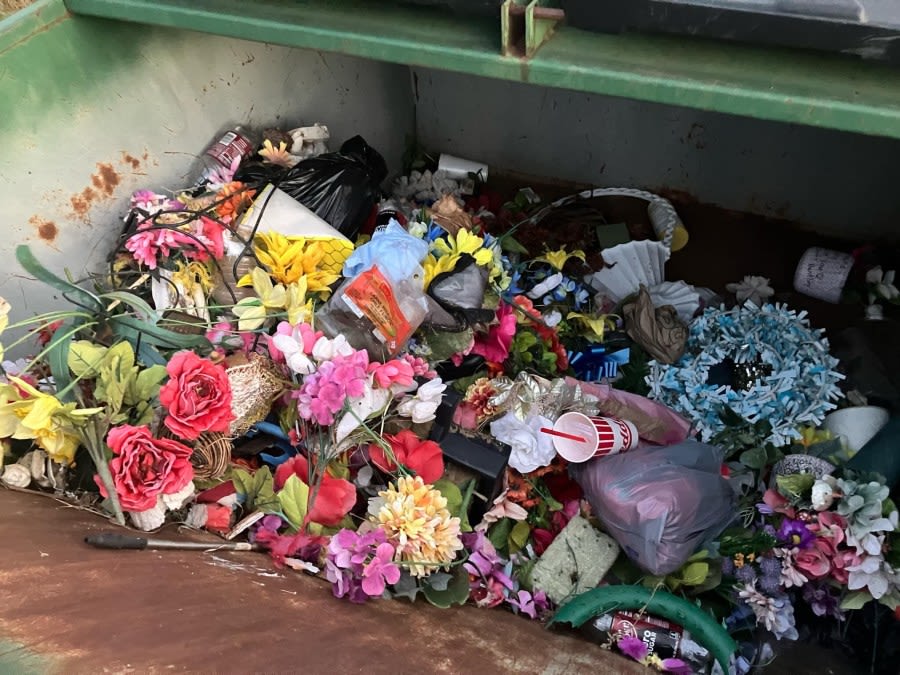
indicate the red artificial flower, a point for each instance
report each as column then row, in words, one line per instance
column 144, row 467
column 563, row 488
column 45, row 333
column 542, row 539
column 494, row 346
column 280, row 546
column 197, row 396
column 334, row 499
column 425, row 458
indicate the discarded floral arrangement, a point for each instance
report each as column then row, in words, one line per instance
column 413, row 396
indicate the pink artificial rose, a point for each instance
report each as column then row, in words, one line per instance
column 197, row 396
column 842, row 560
column 494, row 346
column 813, row 561
column 779, row 504
column 143, row 467
column 829, row 525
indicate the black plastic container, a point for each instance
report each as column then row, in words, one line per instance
column 844, row 26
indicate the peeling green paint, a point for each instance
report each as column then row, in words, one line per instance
column 50, row 59
column 17, row 659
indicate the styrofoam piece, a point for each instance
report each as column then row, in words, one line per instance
column 276, row 211
column 680, row 295
column 628, row 267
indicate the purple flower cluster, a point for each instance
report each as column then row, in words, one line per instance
column 323, row 392
column 770, row 575
column 359, row 566
column 823, row 600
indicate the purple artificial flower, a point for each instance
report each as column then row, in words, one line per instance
column 728, row 567
column 632, row 646
column 795, row 534
column 822, row 600
column 483, row 557
column 380, row 570
column 765, row 509
column 676, row 666
column 745, row 574
column 530, row 605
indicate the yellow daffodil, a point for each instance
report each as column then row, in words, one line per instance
column 42, row 418
column 5, row 308
column 435, row 266
column 557, row 259
column 252, row 312
column 464, row 242
column 299, row 307
column 595, row 325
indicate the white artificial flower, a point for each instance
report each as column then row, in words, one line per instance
column 552, row 319
column 360, row 409
column 883, row 283
column 872, row 574
column 823, row 493
column 530, row 449
column 755, row 289
column 292, row 349
column 417, row 229
column 545, row 286
column 326, row 349
column 421, row 407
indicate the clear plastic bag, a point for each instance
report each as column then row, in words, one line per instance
column 660, row 503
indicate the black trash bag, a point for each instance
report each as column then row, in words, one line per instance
column 340, row 187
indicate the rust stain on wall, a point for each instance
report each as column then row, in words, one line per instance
column 46, row 229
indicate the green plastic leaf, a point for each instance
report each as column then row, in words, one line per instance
column 498, row 534
column 258, row 489
column 74, row 293
column 694, row 574
column 294, row 500
column 85, row 358
column 146, row 385
column 855, row 600
column 518, row 536
column 451, row 493
column 144, row 311
column 58, row 358
column 511, row 245
column 407, row 587
column 456, row 593
column 134, row 330
column 755, row 458
column 439, row 580
column 116, row 372
column 795, row 485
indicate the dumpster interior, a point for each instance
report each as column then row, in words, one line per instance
column 372, row 327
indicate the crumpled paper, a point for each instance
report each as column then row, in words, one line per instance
column 655, row 422
column 531, row 394
column 657, row 329
column 447, row 213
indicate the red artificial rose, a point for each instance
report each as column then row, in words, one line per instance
column 425, row 458
column 145, row 467
column 197, row 396
column 334, row 499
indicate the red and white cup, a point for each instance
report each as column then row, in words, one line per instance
column 578, row 437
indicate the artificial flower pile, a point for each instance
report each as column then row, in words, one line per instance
column 308, row 392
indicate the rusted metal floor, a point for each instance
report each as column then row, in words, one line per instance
column 68, row 608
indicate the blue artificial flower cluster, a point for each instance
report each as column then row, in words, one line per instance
column 800, row 388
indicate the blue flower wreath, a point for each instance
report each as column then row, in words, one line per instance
column 800, row 388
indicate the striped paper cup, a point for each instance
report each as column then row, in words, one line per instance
column 578, row 437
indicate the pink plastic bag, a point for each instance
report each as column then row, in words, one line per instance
column 654, row 421
column 659, row 503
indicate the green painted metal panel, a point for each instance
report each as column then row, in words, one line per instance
column 784, row 85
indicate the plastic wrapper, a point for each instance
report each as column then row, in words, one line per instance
column 659, row 503
column 340, row 187
column 375, row 312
